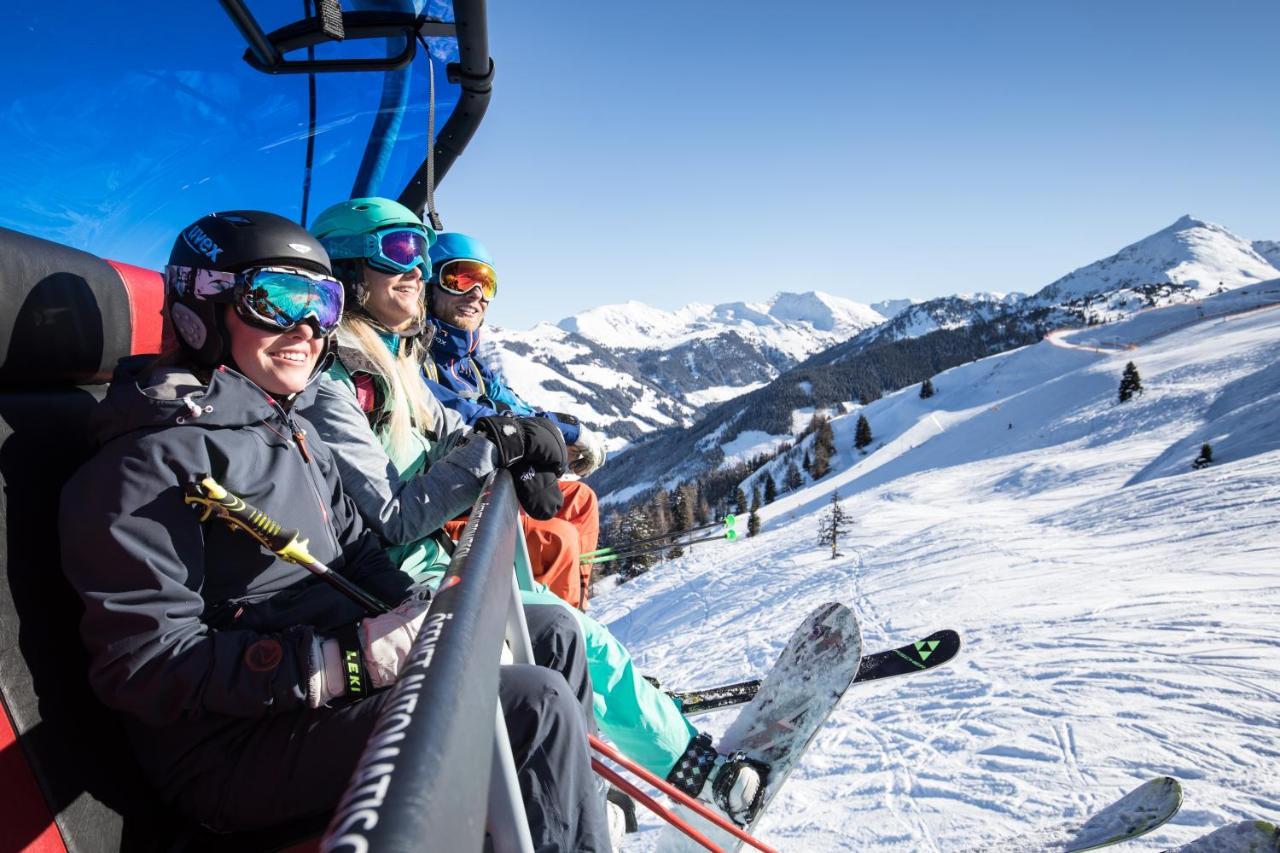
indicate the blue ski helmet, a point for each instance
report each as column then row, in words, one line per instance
column 452, row 246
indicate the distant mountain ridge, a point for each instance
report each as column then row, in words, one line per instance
column 634, row 371
column 631, row 369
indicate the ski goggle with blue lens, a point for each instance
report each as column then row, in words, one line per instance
column 280, row 299
column 462, row 275
column 389, row 250
column 273, row 298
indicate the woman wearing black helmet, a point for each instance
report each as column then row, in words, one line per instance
column 226, row 662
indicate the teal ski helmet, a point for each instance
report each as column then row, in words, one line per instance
column 378, row 231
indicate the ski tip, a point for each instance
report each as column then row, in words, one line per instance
column 1247, row 836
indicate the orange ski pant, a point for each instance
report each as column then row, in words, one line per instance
column 555, row 544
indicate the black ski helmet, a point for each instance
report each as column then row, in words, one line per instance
column 232, row 241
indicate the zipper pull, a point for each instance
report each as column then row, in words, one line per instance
column 300, row 436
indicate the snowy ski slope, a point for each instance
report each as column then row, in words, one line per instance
column 1121, row 611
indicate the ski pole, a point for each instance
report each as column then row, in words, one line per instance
column 727, row 521
column 679, row 796
column 284, row 543
column 730, row 535
column 606, row 772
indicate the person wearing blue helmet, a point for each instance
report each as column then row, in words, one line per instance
column 463, row 282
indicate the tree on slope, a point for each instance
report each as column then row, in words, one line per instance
column 637, row 525
column 862, row 434
column 1205, row 459
column 926, row 389
column 740, row 501
column 794, row 478
column 753, row 520
column 824, row 447
column 1130, row 383
column 833, row 524
column 770, row 489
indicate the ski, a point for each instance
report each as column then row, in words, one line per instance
column 931, row 652
column 1247, row 836
column 1138, row 812
column 797, row 695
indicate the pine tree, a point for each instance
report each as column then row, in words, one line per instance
column 824, row 447
column 862, row 433
column 833, row 524
column 794, row 479
column 1130, row 383
column 770, row 489
column 753, row 522
column 740, row 501
column 808, row 463
column 755, row 498
column 637, row 525
column 1205, row 459
column 926, row 389
column 681, row 517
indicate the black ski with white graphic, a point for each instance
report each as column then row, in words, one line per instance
column 778, row 724
column 1247, row 836
column 1143, row 809
column 933, row 651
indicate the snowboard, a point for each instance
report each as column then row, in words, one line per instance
column 1247, row 836
column 1138, row 812
column 931, row 652
column 796, row 696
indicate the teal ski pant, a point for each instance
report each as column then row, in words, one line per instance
column 642, row 721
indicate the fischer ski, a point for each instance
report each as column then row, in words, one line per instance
column 1138, row 812
column 778, row 724
column 931, row 652
column 1247, row 836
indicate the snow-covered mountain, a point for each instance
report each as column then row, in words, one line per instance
column 1198, row 258
column 939, row 333
column 1118, row 608
column 1270, row 250
column 948, row 312
column 795, row 324
column 631, row 369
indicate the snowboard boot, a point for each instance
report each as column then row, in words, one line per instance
column 734, row 783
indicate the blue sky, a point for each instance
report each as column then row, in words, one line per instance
column 715, row 151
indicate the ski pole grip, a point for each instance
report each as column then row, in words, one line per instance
column 232, row 509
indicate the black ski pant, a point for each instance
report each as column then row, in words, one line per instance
column 265, row 772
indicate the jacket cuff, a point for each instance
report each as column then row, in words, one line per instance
column 478, row 456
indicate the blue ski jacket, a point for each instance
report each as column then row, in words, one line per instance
column 473, row 390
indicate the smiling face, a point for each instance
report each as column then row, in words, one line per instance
column 394, row 299
column 280, row 363
column 465, row 311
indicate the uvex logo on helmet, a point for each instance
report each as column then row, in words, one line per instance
column 201, row 242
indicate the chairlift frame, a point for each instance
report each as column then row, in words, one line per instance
column 473, row 72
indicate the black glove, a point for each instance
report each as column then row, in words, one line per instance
column 533, row 450
column 538, row 491
column 535, row 442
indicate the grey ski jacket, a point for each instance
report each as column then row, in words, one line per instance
column 407, row 502
column 191, row 626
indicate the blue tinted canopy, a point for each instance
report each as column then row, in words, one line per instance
column 123, row 127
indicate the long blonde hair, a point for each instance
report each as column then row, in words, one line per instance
column 406, row 410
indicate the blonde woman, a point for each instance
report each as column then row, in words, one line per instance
column 411, row 465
